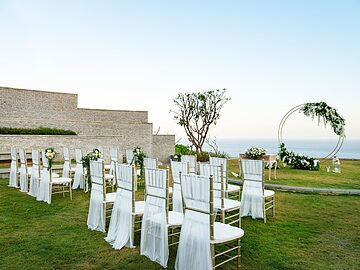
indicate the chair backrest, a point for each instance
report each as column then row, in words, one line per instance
column 125, row 176
column 44, row 160
column 198, row 196
column 129, row 155
column 216, row 171
column 13, row 154
column 219, row 161
column 150, row 163
column 97, row 174
column 114, row 154
column 156, row 182
column 22, row 156
column 78, row 156
column 253, row 170
column 35, row 158
column 66, row 154
column 191, row 159
column 178, row 167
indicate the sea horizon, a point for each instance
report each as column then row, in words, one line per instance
column 318, row 148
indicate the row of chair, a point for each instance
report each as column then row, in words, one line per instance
column 160, row 227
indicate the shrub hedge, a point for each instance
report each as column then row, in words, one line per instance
column 36, row 131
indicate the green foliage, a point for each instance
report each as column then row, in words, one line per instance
column 139, row 156
column 95, row 154
column 36, row 131
column 329, row 115
column 297, row 161
column 182, row 149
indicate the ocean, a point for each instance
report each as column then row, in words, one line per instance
column 312, row 148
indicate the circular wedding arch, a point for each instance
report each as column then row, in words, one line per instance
column 299, row 108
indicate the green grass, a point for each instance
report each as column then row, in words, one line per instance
column 349, row 178
column 308, row 232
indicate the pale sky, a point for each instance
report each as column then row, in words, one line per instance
column 137, row 55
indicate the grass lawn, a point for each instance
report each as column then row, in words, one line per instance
column 349, row 178
column 308, row 232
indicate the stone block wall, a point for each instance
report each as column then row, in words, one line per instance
column 107, row 128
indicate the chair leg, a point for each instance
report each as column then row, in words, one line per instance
column 63, row 191
column 264, row 201
column 50, row 192
column 273, row 206
column 239, row 255
column 212, row 249
column 222, row 216
column 70, row 190
column 104, row 215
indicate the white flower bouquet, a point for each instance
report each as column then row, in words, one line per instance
column 50, row 154
column 255, row 152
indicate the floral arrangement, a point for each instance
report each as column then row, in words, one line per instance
column 50, row 154
column 95, row 154
column 176, row 157
column 255, row 152
column 297, row 161
column 329, row 115
column 139, row 156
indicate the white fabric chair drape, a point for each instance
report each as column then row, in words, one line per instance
column 79, row 171
column 113, row 160
column 121, row 224
column 191, row 159
column 252, row 193
column 96, row 217
column 23, row 171
column 13, row 169
column 44, row 186
column 194, row 246
column 178, row 167
column 35, row 174
column 67, row 165
column 129, row 155
column 150, row 163
column 154, row 231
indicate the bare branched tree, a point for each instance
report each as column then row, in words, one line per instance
column 196, row 112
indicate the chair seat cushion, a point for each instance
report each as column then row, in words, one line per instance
column 225, row 232
column 139, row 207
column 228, row 204
column 175, row 218
column 233, row 188
column 72, row 169
column 268, row 193
column 61, row 180
column 110, row 197
column 109, row 176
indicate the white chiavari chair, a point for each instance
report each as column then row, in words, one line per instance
column 232, row 191
column 255, row 200
column 192, row 160
column 79, row 172
column 35, row 174
column 126, row 213
column 177, row 168
column 23, row 171
column 100, row 201
column 157, row 219
column 13, row 179
column 200, row 234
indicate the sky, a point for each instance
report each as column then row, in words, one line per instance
column 138, row 55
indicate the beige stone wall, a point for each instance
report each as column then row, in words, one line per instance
column 163, row 146
column 122, row 129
